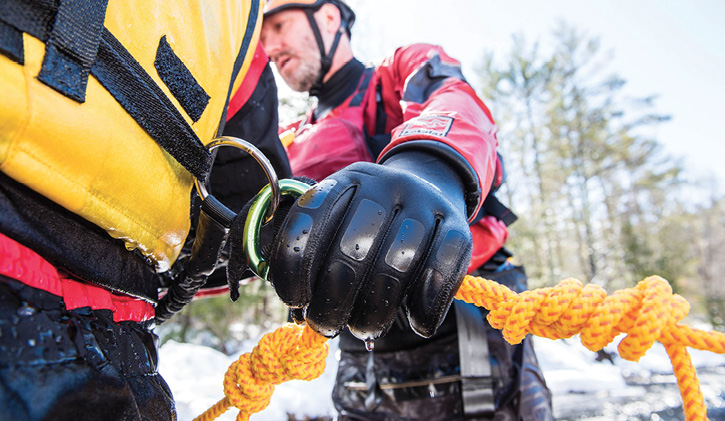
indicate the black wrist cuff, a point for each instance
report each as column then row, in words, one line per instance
column 462, row 167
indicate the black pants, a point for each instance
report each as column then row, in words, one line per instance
column 57, row 364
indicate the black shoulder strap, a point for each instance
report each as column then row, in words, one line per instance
column 362, row 87
column 377, row 141
column 381, row 118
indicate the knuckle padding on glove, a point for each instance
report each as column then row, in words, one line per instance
column 435, row 290
column 395, row 268
column 348, row 261
column 292, row 257
column 405, row 245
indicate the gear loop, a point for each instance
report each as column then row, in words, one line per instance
column 261, row 160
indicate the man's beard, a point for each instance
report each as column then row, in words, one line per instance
column 305, row 76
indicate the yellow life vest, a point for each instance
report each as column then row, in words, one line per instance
column 75, row 141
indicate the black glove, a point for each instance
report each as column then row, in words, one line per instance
column 371, row 238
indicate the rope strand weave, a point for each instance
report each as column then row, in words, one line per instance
column 647, row 313
column 291, row 352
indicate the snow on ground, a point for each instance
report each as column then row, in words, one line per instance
column 620, row 389
column 582, row 387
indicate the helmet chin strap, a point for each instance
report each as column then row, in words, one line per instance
column 325, row 57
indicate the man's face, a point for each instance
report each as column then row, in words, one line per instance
column 288, row 40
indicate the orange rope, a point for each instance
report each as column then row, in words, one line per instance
column 290, row 352
column 647, row 313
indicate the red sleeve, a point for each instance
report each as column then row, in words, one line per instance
column 438, row 104
column 489, row 235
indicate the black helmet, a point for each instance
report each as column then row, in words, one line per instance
column 346, row 13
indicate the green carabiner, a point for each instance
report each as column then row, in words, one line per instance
column 253, row 224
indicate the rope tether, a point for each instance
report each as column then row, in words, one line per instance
column 647, row 313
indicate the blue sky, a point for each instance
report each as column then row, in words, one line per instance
column 674, row 49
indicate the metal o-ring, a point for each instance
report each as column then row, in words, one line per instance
column 261, row 160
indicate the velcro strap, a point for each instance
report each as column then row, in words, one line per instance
column 182, row 84
column 72, row 46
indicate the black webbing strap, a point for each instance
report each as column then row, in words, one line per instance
column 362, row 89
column 379, row 138
column 476, row 379
column 34, row 17
column 72, row 46
column 380, row 117
column 138, row 94
column 492, row 206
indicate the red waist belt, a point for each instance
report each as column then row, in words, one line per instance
column 25, row 265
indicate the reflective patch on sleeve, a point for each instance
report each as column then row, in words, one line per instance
column 431, row 125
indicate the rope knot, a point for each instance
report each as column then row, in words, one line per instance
column 243, row 389
column 305, row 359
column 658, row 312
column 646, row 312
column 555, row 312
column 290, row 352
